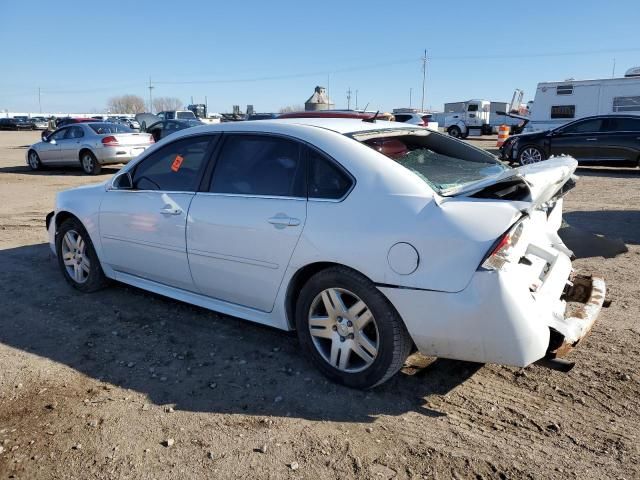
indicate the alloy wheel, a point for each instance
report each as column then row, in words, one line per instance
column 343, row 330
column 33, row 160
column 531, row 155
column 74, row 256
column 87, row 163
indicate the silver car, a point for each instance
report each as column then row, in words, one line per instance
column 88, row 145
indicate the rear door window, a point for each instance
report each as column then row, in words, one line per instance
column 175, row 168
column 622, row 125
column 259, row 165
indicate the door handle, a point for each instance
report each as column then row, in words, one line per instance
column 168, row 210
column 591, row 139
column 284, row 221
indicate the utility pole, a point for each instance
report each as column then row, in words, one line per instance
column 151, row 87
column 39, row 100
column 206, row 107
column 356, row 99
column 424, row 75
column 410, row 92
column 349, row 99
column 613, row 73
column 328, row 98
column 191, row 99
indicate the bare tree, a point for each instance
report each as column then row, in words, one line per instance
column 163, row 104
column 292, row 108
column 126, row 104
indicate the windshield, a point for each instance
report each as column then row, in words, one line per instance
column 109, row 128
column 441, row 162
column 185, row 115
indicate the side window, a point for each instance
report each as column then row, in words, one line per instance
column 326, row 180
column 563, row 111
column 588, row 126
column 74, row 132
column 402, row 118
column 60, row 134
column 622, row 125
column 472, row 108
column 175, row 168
column 259, row 165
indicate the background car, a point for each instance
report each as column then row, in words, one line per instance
column 602, row 139
column 265, row 221
column 146, row 119
column 14, row 124
column 88, row 145
column 164, row 128
column 61, row 122
column 177, row 115
column 40, row 123
column 262, row 116
column 420, row 119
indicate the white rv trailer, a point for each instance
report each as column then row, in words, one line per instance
column 557, row 103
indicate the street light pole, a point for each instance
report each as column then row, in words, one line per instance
column 424, row 75
column 151, row 87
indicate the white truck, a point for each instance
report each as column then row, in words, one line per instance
column 557, row 103
column 481, row 117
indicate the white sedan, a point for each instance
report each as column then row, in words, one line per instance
column 371, row 239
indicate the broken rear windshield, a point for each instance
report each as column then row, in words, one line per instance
column 441, row 162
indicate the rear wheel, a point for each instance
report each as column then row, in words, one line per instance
column 34, row 161
column 530, row 154
column 454, row 131
column 77, row 257
column 349, row 329
column 90, row 165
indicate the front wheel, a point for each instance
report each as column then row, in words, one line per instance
column 350, row 330
column 77, row 257
column 90, row 165
column 455, row 132
column 34, row 161
column 530, row 155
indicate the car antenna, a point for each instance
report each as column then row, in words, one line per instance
column 372, row 119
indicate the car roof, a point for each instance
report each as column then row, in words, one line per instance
column 339, row 125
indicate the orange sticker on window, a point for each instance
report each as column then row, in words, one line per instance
column 175, row 166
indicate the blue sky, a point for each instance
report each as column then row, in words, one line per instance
column 272, row 53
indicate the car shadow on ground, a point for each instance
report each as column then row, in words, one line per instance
column 189, row 357
column 56, row 171
column 600, row 233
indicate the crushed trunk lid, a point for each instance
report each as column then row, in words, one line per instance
column 544, row 181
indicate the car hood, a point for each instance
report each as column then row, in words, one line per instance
column 544, row 180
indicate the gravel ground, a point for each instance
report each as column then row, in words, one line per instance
column 127, row 384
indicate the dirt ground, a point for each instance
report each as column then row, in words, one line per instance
column 93, row 386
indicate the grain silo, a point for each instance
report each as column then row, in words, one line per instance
column 319, row 101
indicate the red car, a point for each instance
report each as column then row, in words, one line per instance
column 336, row 114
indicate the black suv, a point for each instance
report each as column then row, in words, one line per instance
column 602, row 139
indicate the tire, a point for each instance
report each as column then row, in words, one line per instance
column 361, row 345
column 77, row 259
column 530, row 154
column 34, row 161
column 454, row 131
column 89, row 163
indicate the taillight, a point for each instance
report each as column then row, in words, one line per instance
column 110, row 141
column 500, row 251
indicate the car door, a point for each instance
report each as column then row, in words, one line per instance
column 581, row 139
column 142, row 229
column 49, row 152
column 69, row 146
column 621, row 140
column 243, row 229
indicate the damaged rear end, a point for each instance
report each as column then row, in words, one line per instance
column 531, row 255
column 497, row 285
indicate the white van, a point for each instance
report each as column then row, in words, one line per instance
column 557, row 103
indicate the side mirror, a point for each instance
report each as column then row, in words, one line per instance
column 123, row 181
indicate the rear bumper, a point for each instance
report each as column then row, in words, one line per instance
column 497, row 319
column 122, row 154
column 586, row 296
